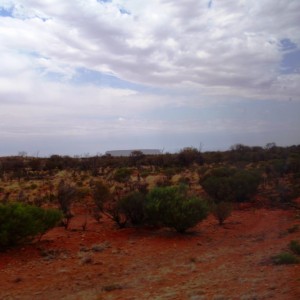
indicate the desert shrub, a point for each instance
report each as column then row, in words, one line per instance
column 122, row 174
column 163, row 182
column 293, row 229
column 20, row 223
column 66, row 195
column 221, row 211
column 133, row 206
column 171, row 171
column 285, row 258
column 113, row 211
column 295, row 247
column 184, row 180
column 173, row 207
column 33, row 186
column 100, row 194
column 285, row 194
column 190, row 155
column 107, row 205
column 145, row 172
column 230, row 184
column 245, row 184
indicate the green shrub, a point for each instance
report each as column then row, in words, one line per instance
column 122, row 174
column 295, row 247
column 190, row 155
column 230, row 184
column 20, row 223
column 100, row 194
column 222, row 211
column 285, row 258
column 133, row 206
column 173, row 207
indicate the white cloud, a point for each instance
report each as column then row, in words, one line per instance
column 196, row 52
column 161, row 43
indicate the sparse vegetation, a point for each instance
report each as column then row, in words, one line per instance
column 20, row 223
column 295, row 247
column 100, row 194
column 285, row 258
column 66, row 194
column 122, row 174
column 162, row 191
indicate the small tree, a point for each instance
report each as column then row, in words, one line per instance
column 66, row 194
column 173, row 207
column 190, row 155
column 136, row 157
column 106, row 205
column 100, row 194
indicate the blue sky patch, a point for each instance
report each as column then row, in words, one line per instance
column 287, row 44
column 123, row 11
column 290, row 62
column 6, row 12
column 86, row 76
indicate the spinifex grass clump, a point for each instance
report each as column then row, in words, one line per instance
column 20, row 223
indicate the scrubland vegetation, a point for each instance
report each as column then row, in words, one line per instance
column 185, row 223
column 167, row 190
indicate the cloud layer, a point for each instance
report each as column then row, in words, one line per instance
column 194, row 55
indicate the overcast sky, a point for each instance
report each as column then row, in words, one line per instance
column 86, row 76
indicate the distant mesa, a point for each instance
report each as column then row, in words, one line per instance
column 129, row 152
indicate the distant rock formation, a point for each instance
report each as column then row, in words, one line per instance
column 129, row 152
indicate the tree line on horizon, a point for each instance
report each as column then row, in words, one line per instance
column 286, row 158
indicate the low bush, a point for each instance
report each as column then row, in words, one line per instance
column 20, row 223
column 173, row 207
column 285, row 258
column 221, row 211
column 133, row 206
column 122, row 174
column 100, row 194
column 295, row 247
column 230, row 184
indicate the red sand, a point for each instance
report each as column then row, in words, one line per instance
column 210, row 262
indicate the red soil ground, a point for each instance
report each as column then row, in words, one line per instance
column 210, row 262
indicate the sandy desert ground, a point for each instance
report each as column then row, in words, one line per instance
column 209, row 262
